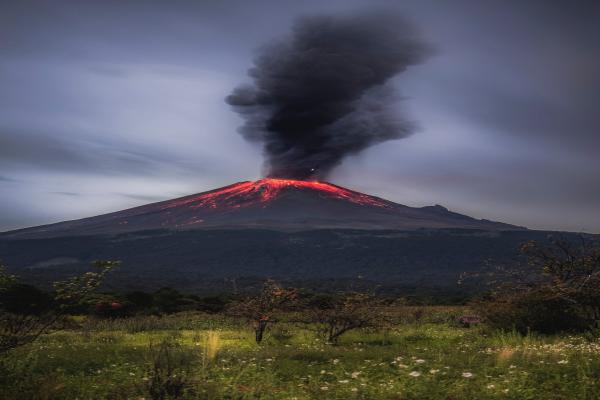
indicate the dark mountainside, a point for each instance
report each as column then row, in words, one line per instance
column 311, row 233
column 279, row 204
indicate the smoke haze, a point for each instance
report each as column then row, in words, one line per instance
column 321, row 93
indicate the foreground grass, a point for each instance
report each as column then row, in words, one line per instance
column 216, row 358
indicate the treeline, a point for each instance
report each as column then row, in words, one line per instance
column 26, row 299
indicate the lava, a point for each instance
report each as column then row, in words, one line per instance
column 264, row 191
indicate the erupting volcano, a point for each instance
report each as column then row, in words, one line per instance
column 275, row 204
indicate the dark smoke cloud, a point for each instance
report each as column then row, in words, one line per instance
column 322, row 93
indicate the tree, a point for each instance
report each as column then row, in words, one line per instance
column 572, row 272
column 336, row 315
column 18, row 329
column 262, row 309
column 554, row 287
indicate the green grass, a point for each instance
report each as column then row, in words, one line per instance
column 427, row 360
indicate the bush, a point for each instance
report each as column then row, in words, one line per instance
column 537, row 310
column 555, row 289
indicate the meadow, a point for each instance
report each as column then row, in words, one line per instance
column 193, row 355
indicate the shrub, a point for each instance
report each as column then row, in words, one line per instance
column 555, row 289
column 18, row 329
column 169, row 371
column 537, row 310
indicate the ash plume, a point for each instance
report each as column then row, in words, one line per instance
column 323, row 92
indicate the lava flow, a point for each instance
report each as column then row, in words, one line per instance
column 264, row 191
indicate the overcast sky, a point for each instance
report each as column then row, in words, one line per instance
column 106, row 105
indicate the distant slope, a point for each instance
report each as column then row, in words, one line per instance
column 207, row 260
column 277, row 204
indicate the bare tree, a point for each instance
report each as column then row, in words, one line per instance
column 261, row 310
column 551, row 287
column 339, row 314
column 571, row 271
column 18, row 329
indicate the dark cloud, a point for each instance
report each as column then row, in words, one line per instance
column 322, row 94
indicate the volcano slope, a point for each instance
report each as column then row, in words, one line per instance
column 315, row 233
column 279, row 204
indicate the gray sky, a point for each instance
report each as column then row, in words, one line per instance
column 106, row 105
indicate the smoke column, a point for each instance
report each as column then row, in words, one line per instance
column 323, row 92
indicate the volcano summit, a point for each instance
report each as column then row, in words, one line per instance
column 276, row 204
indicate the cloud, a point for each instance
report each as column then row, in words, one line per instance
column 65, row 153
column 146, row 198
column 69, row 194
column 6, row 179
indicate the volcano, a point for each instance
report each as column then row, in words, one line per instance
column 276, row 204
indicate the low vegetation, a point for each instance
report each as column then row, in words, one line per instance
column 202, row 356
column 533, row 335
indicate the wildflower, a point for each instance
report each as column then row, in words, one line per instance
column 467, row 375
column 420, row 361
column 355, row 374
column 344, row 381
column 324, row 388
column 563, row 362
column 335, row 361
column 434, row 371
column 402, row 366
column 354, row 390
column 490, row 386
column 415, row 374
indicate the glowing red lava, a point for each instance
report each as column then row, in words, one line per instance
column 266, row 190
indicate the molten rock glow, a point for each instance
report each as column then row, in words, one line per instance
column 264, row 191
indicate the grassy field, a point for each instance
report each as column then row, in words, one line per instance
column 197, row 356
